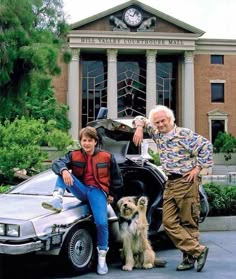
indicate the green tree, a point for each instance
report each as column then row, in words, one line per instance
column 32, row 35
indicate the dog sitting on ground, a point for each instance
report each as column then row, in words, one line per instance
column 137, row 251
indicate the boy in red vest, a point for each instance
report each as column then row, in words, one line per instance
column 95, row 177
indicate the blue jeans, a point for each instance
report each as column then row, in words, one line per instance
column 98, row 202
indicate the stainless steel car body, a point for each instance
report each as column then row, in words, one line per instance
column 40, row 230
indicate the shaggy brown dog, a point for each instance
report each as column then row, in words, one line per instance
column 137, row 251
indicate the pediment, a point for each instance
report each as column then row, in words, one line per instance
column 217, row 112
column 112, row 20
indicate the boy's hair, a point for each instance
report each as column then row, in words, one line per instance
column 89, row 132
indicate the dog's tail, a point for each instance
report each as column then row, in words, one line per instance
column 159, row 262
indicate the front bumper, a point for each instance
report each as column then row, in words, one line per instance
column 17, row 249
column 54, row 241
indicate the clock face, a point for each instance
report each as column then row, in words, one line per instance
column 133, row 17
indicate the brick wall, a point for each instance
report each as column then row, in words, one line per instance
column 204, row 72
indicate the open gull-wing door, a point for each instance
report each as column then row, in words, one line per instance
column 114, row 133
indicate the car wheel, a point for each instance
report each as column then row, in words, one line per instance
column 79, row 250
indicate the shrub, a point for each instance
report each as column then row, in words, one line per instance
column 4, row 188
column 225, row 143
column 20, row 144
column 221, row 198
column 155, row 157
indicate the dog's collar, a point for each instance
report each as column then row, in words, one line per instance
column 123, row 219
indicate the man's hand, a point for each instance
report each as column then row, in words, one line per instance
column 68, row 179
column 192, row 175
column 138, row 136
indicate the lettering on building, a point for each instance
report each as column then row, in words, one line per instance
column 129, row 41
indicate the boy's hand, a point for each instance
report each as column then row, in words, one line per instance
column 67, row 178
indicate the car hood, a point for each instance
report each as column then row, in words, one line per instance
column 27, row 207
column 35, row 221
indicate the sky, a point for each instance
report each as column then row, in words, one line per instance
column 217, row 18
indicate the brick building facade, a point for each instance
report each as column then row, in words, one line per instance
column 131, row 57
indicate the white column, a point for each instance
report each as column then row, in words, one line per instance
column 188, row 92
column 73, row 94
column 151, row 92
column 112, row 102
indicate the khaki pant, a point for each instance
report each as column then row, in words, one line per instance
column 181, row 211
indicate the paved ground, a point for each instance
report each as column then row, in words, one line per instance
column 221, row 264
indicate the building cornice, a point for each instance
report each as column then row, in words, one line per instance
column 215, row 46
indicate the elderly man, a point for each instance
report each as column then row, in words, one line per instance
column 183, row 154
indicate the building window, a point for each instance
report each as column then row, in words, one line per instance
column 217, row 93
column 94, row 86
column 166, row 82
column 218, row 122
column 131, row 85
column 217, row 59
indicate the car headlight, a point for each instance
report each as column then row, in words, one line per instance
column 10, row 230
column 13, row 230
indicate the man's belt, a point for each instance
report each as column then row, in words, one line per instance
column 174, row 176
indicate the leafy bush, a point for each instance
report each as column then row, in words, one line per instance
column 155, row 157
column 21, row 141
column 4, row 188
column 221, row 198
column 225, row 143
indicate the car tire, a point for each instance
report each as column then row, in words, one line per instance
column 79, row 250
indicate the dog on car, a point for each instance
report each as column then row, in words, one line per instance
column 136, row 251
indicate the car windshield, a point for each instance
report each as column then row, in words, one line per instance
column 42, row 184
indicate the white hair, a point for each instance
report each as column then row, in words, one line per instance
column 169, row 113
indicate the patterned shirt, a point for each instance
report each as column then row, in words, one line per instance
column 180, row 150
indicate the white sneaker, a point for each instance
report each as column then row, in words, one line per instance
column 55, row 205
column 102, row 265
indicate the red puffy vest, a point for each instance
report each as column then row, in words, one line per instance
column 100, row 165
